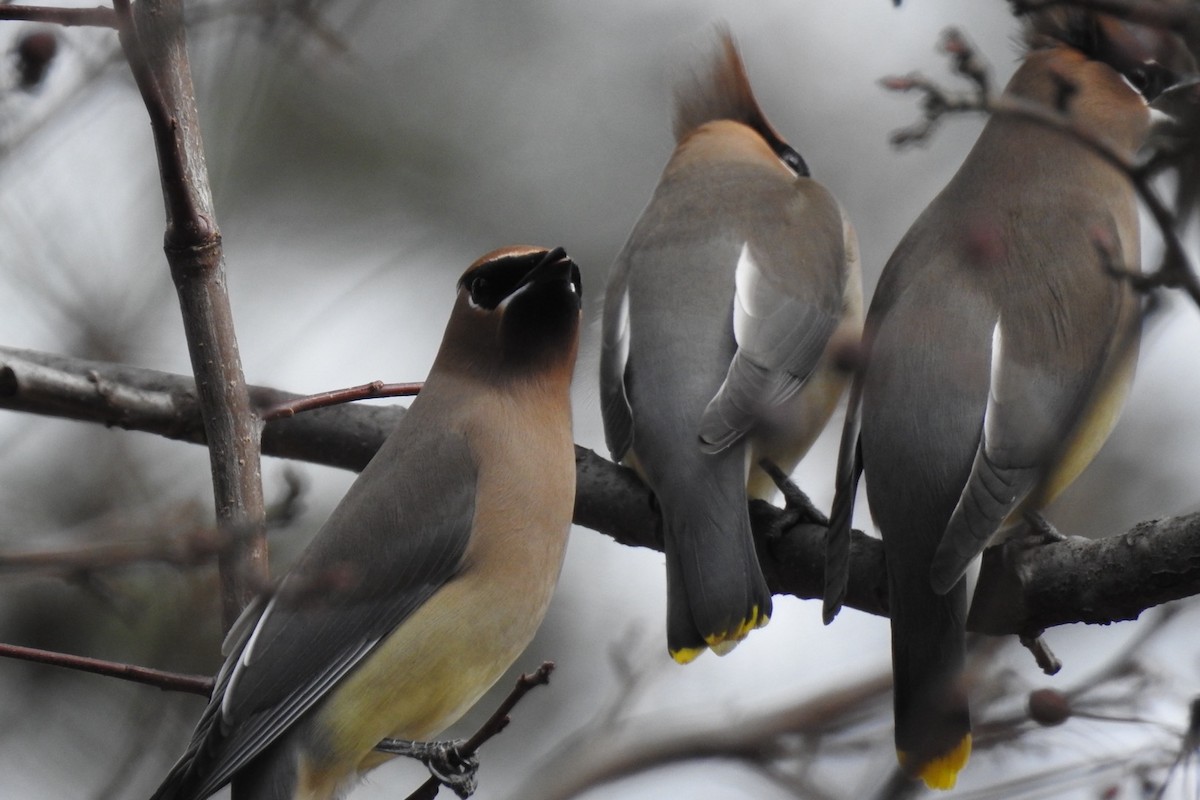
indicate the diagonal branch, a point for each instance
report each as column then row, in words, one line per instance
column 494, row 724
column 1021, row 590
column 937, row 102
column 595, row 756
column 1179, row 17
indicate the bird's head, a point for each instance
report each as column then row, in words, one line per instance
column 1151, row 59
column 518, row 310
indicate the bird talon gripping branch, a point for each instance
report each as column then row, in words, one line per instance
column 444, row 760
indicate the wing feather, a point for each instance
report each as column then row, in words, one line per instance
column 781, row 334
column 323, row 620
column 614, row 359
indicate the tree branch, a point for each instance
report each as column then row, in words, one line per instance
column 366, row 391
column 1178, row 17
column 1175, row 270
column 1021, row 590
column 167, row 681
column 494, row 724
column 596, row 756
column 98, row 17
column 153, row 38
column 185, row 548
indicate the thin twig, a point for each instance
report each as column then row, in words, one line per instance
column 1175, row 271
column 592, row 757
column 193, row 547
column 167, row 681
column 494, row 724
column 366, row 391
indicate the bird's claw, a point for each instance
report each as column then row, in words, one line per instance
column 798, row 509
column 1041, row 530
column 453, row 768
column 445, row 760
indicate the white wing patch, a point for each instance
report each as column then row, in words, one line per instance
column 244, row 659
column 614, row 358
column 621, row 342
column 995, row 398
column 780, row 338
column 754, row 301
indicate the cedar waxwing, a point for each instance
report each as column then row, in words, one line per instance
column 721, row 312
column 999, row 350
column 434, row 571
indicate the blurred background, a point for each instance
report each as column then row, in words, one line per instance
column 361, row 155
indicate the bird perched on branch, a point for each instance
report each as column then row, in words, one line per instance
column 434, row 571
column 722, row 310
column 999, row 349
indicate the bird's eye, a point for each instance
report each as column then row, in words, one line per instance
column 1150, row 79
column 1140, row 79
column 795, row 163
column 484, row 292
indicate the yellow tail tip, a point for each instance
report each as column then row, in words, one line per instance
column 757, row 620
column 724, row 642
column 686, row 655
column 940, row 772
column 723, row 647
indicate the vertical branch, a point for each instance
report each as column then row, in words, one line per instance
column 153, row 38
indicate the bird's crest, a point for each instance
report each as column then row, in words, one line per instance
column 722, row 91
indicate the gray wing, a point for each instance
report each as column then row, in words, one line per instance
column 1020, row 425
column 397, row 536
column 790, row 293
column 614, row 356
column 1031, row 411
column 1053, row 349
column 841, row 515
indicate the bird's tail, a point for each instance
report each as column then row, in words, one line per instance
column 716, row 593
column 933, row 722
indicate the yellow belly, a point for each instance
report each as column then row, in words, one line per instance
column 1095, row 424
column 422, row 678
column 796, row 425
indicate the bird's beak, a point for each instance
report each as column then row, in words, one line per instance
column 556, row 265
column 1181, row 100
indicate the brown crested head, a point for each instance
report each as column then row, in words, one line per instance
column 518, row 310
column 722, row 92
column 1151, row 59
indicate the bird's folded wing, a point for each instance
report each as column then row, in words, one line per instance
column 614, row 356
column 1031, row 410
column 781, row 323
column 400, row 537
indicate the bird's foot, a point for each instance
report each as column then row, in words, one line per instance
column 1041, row 530
column 797, row 507
column 444, row 760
